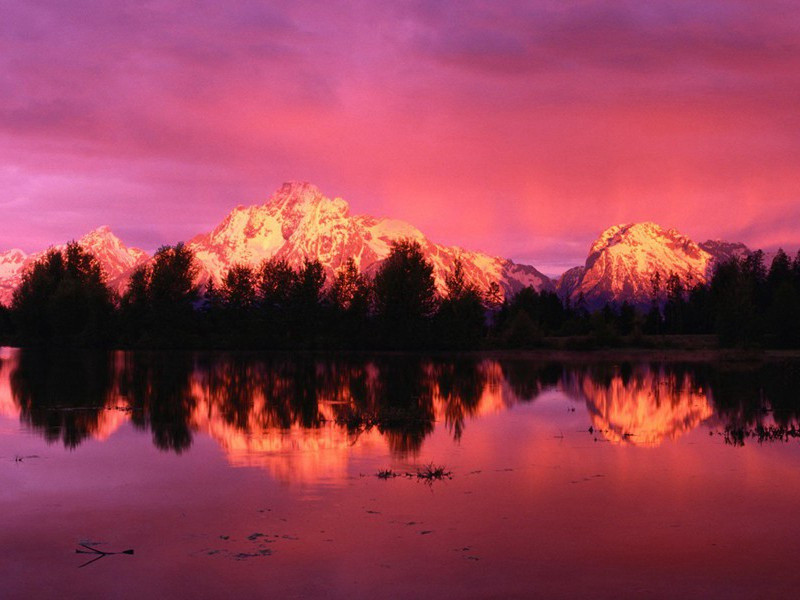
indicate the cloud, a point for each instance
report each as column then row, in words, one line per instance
column 501, row 126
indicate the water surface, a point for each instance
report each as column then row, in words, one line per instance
column 232, row 474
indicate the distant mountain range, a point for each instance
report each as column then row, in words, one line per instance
column 299, row 222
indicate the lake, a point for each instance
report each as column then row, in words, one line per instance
column 257, row 476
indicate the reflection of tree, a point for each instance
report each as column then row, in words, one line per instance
column 460, row 385
column 229, row 384
column 260, row 404
column 62, row 394
column 404, row 403
column 757, row 395
column 158, row 388
column 529, row 379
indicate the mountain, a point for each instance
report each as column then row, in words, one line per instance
column 298, row 221
column 725, row 251
column 116, row 259
column 11, row 264
column 623, row 260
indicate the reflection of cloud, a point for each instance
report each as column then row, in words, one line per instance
column 644, row 409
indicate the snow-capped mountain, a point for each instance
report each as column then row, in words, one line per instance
column 116, row 259
column 11, row 264
column 299, row 222
column 623, row 260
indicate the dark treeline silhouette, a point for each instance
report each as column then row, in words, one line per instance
column 63, row 300
column 69, row 397
column 745, row 303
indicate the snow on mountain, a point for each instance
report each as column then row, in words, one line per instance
column 116, row 259
column 623, row 260
column 299, row 222
column 11, row 264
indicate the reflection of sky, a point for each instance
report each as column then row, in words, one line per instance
column 519, row 128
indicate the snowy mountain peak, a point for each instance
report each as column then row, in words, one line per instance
column 299, row 222
column 298, row 201
column 100, row 236
column 14, row 255
column 624, row 258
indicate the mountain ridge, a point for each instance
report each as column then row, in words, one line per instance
column 297, row 222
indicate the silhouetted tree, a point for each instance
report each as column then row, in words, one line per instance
column 306, row 302
column 732, row 290
column 494, row 295
column 460, row 319
column 158, row 307
column 6, row 328
column 674, row 307
column 237, row 291
column 275, row 282
column 63, row 299
column 405, row 296
column 350, row 296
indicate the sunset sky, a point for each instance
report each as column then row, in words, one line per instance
column 518, row 128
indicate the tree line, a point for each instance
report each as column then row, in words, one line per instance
column 64, row 300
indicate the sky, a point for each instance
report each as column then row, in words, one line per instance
column 522, row 129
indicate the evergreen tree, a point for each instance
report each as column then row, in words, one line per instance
column 405, row 296
column 460, row 319
column 275, row 282
column 63, row 299
column 158, row 307
column 350, row 297
column 309, row 325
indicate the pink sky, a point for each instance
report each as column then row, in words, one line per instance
column 518, row 128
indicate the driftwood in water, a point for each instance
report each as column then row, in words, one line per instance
column 99, row 553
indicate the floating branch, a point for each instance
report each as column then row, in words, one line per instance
column 97, row 553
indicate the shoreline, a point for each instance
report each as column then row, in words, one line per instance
column 540, row 355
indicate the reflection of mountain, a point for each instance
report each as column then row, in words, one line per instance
column 641, row 406
column 305, row 418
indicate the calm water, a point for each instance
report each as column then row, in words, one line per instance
column 246, row 476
